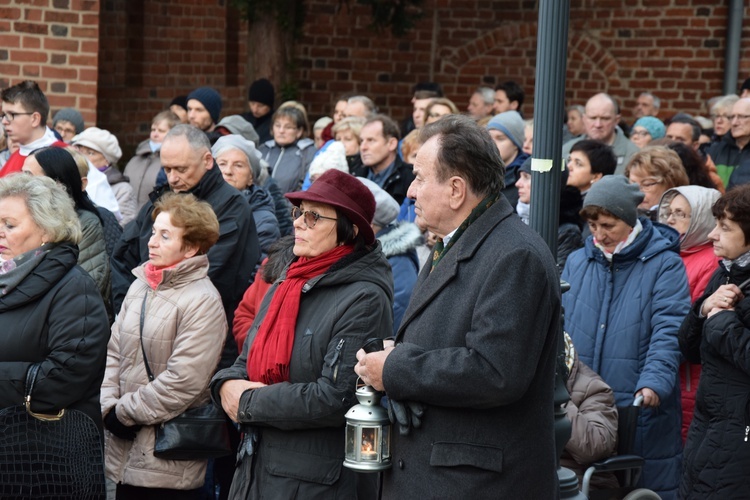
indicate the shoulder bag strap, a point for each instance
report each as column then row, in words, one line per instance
column 143, row 349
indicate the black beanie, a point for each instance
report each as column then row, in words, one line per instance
column 180, row 100
column 262, row 91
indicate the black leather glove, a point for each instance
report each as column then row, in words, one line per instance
column 406, row 415
column 122, row 431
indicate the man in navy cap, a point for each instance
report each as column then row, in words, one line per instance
column 204, row 109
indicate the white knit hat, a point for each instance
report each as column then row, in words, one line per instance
column 102, row 141
column 333, row 157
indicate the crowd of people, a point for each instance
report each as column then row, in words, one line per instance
column 246, row 259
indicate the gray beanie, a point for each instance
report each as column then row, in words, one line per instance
column 235, row 124
column 616, row 195
column 511, row 124
column 234, row 141
column 69, row 115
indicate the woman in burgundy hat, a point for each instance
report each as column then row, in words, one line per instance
column 295, row 380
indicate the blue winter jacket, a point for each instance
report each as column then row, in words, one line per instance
column 623, row 318
column 399, row 242
column 264, row 212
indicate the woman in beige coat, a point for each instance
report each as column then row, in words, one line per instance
column 184, row 329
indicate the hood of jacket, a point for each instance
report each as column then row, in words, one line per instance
column 702, row 220
column 259, row 199
column 397, row 239
column 114, row 176
column 365, row 265
column 55, row 264
column 654, row 239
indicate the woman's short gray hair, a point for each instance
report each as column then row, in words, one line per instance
column 48, row 203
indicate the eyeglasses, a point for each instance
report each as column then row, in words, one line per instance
column 311, row 218
column 677, row 214
column 435, row 115
column 742, row 118
column 647, row 185
column 10, row 115
column 639, row 132
column 720, row 117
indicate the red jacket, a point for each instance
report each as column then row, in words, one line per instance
column 248, row 307
column 15, row 162
column 700, row 266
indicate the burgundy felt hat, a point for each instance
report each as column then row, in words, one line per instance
column 345, row 192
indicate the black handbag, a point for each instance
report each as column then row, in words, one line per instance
column 196, row 434
column 49, row 456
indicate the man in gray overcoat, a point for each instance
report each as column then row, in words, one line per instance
column 475, row 352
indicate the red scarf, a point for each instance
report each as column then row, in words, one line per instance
column 268, row 360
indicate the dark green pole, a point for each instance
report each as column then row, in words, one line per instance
column 549, row 109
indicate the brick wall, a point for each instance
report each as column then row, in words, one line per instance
column 154, row 50
column 674, row 48
column 56, row 43
column 122, row 61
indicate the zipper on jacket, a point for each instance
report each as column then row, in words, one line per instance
column 687, row 376
column 278, row 160
column 335, row 361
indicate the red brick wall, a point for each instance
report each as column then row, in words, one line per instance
column 56, row 43
column 674, row 48
column 152, row 51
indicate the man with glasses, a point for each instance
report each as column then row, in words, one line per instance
column 600, row 121
column 732, row 154
column 24, row 116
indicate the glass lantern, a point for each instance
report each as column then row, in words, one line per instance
column 368, row 433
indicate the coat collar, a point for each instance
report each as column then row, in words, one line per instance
column 654, row 239
column 187, row 271
column 55, row 265
column 429, row 284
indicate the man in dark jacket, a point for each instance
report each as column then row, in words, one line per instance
column 475, row 352
column 381, row 164
column 260, row 98
column 732, row 153
column 190, row 168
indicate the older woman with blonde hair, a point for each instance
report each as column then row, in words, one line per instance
column 172, row 315
column 52, row 315
column 439, row 107
column 655, row 169
column 347, row 132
